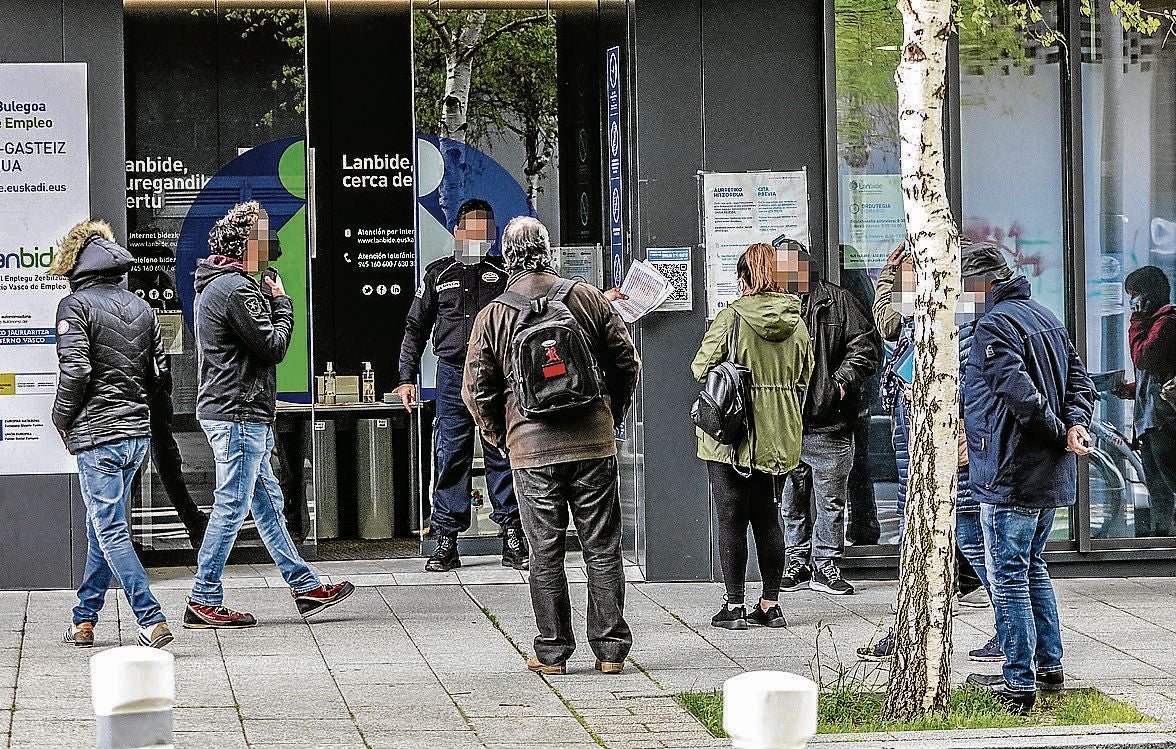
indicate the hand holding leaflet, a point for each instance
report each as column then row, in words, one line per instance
column 645, row 288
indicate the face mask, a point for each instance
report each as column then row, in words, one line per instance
column 471, row 251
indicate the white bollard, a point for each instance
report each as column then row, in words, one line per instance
column 133, row 690
column 769, row 710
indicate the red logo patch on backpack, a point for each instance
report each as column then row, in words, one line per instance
column 554, row 366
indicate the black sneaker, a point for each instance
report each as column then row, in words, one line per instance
column 514, row 549
column 445, row 558
column 729, row 618
column 771, row 617
column 990, row 653
column 1017, row 703
column 796, row 576
column 1053, row 681
column 827, row 579
column 883, row 650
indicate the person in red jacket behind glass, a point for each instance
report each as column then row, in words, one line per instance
column 1153, row 353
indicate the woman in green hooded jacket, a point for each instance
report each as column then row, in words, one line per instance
column 774, row 344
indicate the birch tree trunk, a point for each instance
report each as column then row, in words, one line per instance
column 459, row 73
column 920, row 674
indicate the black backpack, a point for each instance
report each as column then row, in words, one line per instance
column 723, row 408
column 553, row 367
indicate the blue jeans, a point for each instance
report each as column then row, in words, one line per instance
column 970, row 541
column 1026, row 612
column 105, row 473
column 453, row 443
column 245, row 481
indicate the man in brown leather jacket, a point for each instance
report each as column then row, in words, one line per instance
column 561, row 462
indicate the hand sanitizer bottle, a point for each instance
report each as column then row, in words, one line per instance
column 329, row 385
column 369, row 383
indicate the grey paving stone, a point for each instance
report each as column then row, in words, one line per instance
column 207, row 719
column 422, row 739
column 303, row 732
column 536, row 731
column 209, row 739
column 390, row 719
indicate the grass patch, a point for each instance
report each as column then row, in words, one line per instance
column 848, row 710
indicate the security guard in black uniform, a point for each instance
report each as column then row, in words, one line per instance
column 448, row 299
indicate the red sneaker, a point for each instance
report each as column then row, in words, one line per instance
column 313, row 601
column 200, row 616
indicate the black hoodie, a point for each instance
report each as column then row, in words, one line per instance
column 241, row 336
column 109, row 350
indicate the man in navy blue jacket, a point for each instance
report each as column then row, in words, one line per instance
column 1030, row 403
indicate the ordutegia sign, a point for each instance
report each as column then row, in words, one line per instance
column 44, row 190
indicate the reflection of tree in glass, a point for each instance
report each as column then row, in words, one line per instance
column 869, row 34
column 287, row 27
column 480, row 73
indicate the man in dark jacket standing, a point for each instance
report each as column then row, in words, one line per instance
column 452, row 293
column 847, row 353
column 1153, row 353
column 564, row 461
column 111, row 361
column 1030, row 402
column 242, row 331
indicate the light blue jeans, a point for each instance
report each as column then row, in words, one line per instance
column 1022, row 594
column 245, row 481
column 105, row 473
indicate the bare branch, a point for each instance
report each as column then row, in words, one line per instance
column 440, row 27
column 506, row 28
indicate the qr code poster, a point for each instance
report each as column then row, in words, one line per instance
column 674, row 264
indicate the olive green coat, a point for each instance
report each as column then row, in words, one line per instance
column 774, row 343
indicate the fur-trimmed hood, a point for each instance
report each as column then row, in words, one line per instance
column 71, row 246
column 89, row 255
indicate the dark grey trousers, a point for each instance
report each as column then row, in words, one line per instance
column 589, row 490
column 814, row 498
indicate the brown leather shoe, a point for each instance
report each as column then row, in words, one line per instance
column 542, row 668
column 80, row 635
column 608, row 667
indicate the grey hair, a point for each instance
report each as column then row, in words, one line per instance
column 526, row 245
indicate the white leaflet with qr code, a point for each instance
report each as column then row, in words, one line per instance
column 674, row 264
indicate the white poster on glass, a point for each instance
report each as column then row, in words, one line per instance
column 876, row 222
column 740, row 209
column 44, row 190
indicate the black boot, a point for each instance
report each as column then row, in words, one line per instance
column 514, row 549
column 445, row 558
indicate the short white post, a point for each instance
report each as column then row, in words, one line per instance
column 769, row 710
column 133, row 690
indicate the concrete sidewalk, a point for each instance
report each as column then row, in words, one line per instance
column 437, row 662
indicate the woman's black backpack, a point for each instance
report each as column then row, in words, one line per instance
column 723, row 408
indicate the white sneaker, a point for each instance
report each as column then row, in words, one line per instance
column 976, row 599
column 156, row 636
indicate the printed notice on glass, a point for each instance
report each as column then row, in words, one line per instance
column 44, row 190
column 740, row 209
column 876, row 221
column 581, row 263
column 646, row 289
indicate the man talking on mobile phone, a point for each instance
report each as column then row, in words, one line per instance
column 1030, row 402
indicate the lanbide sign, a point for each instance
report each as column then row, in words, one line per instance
column 616, row 220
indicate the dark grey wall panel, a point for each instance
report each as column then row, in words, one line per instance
column 43, row 545
column 35, row 536
column 669, row 154
column 94, row 35
column 721, row 86
column 33, row 31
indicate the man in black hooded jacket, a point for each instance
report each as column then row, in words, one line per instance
column 111, row 361
column 847, row 351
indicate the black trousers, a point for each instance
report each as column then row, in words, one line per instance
column 169, row 464
column 741, row 501
column 588, row 490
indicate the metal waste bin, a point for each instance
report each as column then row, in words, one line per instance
column 326, row 491
column 373, row 484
